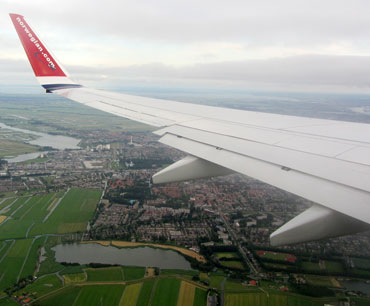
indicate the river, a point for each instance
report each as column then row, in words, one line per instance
column 356, row 286
column 44, row 140
column 139, row 256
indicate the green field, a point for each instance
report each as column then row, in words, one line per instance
column 145, row 292
column 130, row 273
column 29, row 214
column 65, row 297
column 130, row 295
column 14, row 148
column 31, row 261
column 11, row 265
column 43, row 285
column 200, row 297
column 361, row 263
column 328, row 266
column 216, row 281
column 104, row 274
column 227, row 255
column 276, row 256
column 166, row 292
column 103, row 295
column 49, row 113
column 72, row 214
column 234, row 264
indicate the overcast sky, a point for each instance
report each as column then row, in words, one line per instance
column 285, row 45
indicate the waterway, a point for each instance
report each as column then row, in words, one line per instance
column 44, row 140
column 356, row 286
column 139, row 256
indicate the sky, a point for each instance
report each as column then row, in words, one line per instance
column 285, row 45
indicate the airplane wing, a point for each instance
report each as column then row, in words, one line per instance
column 325, row 161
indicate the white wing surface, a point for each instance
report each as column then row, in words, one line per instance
column 325, row 161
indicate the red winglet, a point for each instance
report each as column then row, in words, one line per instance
column 42, row 62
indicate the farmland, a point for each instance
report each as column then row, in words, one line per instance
column 31, row 216
column 104, row 274
column 106, row 295
column 186, row 294
column 277, row 256
column 130, row 295
column 166, row 292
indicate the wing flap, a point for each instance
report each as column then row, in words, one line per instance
column 345, row 199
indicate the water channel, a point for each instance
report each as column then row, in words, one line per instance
column 44, row 140
column 138, row 256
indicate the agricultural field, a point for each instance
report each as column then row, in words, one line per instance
column 277, row 256
column 71, row 215
column 47, row 113
column 101, row 295
column 200, row 297
column 328, row 266
column 13, row 262
column 361, row 263
column 130, row 295
column 216, row 281
column 64, row 297
column 74, row 278
column 233, row 264
column 325, row 281
column 104, row 274
column 146, row 290
column 228, row 255
column 186, row 294
column 51, row 213
column 10, row 148
column 166, row 292
column 130, row 273
column 261, row 299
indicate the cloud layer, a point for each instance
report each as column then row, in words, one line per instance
column 287, row 44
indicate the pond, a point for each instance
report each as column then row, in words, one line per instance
column 138, row 256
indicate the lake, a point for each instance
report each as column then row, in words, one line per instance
column 139, row 256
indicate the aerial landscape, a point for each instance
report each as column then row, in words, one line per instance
column 199, row 153
column 85, row 226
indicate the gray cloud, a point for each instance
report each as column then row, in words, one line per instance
column 327, row 73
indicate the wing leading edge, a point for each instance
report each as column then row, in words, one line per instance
column 325, row 161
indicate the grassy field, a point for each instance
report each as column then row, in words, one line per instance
column 14, row 148
column 361, row 263
column 102, row 295
column 130, row 273
column 216, row 281
column 72, row 213
column 104, row 274
column 186, row 294
column 234, row 264
column 166, row 292
column 43, row 285
column 200, row 297
column 11, row 265
column 227, row 255
column 65, row 297
column 276, row 256
column 275, row 266
column 325, row 281
column 31, row 261
column 46, row 113
column 130, row 295
column 145, row 292
column 74, row 278
column 324, row 266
